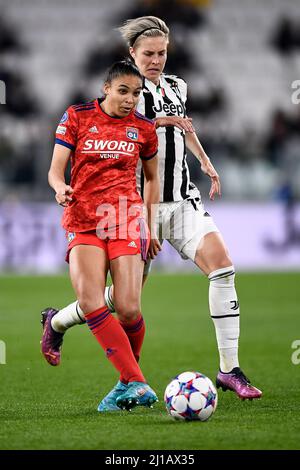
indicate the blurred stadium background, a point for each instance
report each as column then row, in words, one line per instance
column 240, row 60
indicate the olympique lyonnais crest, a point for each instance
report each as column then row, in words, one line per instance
column 132, row 133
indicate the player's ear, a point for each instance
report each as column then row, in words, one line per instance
column 106, row 88
column 131, row 52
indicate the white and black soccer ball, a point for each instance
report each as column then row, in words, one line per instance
column 191, row 396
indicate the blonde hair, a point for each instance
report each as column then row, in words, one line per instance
column 143, row 27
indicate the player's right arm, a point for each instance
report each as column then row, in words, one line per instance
column 65, row 143
column 56, row 175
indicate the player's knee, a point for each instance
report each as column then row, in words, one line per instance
column 88, row 305
column 89, row 299
column 128, row 311
column 224, row 262
column 222, row 276
column 220, row 262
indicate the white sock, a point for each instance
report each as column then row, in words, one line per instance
column 67, row 317
column 73, row 315
column 108, row 296
column 225, row 313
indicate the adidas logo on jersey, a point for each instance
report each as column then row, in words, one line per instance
column 94, row 130
column 132, row 244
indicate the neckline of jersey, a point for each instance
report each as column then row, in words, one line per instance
column 153, row 84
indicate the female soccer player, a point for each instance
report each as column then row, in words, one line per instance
column 104, row 220
column 181, row 218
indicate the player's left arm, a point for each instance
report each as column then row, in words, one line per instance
column 183, row 123
column 193, row 144
column 151, row 200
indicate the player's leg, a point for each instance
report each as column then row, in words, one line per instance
column 67, row 317
column 72, row 314
column 135, row 335
column 56, row 322
column 109, row 290
column 203, row 244
column 213, row 259
column 127, row 273
column 136, row 331
column 59, row 321
column 52, row 338
column 88, row 271
column 77, row 272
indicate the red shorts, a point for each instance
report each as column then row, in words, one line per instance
column 114, row 246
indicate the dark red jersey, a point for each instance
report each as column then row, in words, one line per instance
column 105, row 153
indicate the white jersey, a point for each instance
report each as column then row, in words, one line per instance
column 168, row 99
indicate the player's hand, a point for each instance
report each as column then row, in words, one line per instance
column 209, row 170
column 185, row 124
column 63, row 194
column 154, row 248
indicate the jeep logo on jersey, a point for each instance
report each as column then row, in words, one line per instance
column 132, row 133
column 109, row 146
column 176, row 109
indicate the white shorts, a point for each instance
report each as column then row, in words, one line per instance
column 183, row 224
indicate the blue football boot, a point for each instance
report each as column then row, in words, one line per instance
column 109, row 402
column 137, row 394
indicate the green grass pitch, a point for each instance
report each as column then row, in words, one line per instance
column 43, row 407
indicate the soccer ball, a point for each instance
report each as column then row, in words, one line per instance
column 191, row 396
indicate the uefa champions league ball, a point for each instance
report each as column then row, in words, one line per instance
column 191, row 396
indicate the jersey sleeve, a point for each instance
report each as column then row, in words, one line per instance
column 182, row 88
column 66, row 132
column 150, row 146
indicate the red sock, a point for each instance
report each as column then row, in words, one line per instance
column 111, row 336
column 135, row 332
